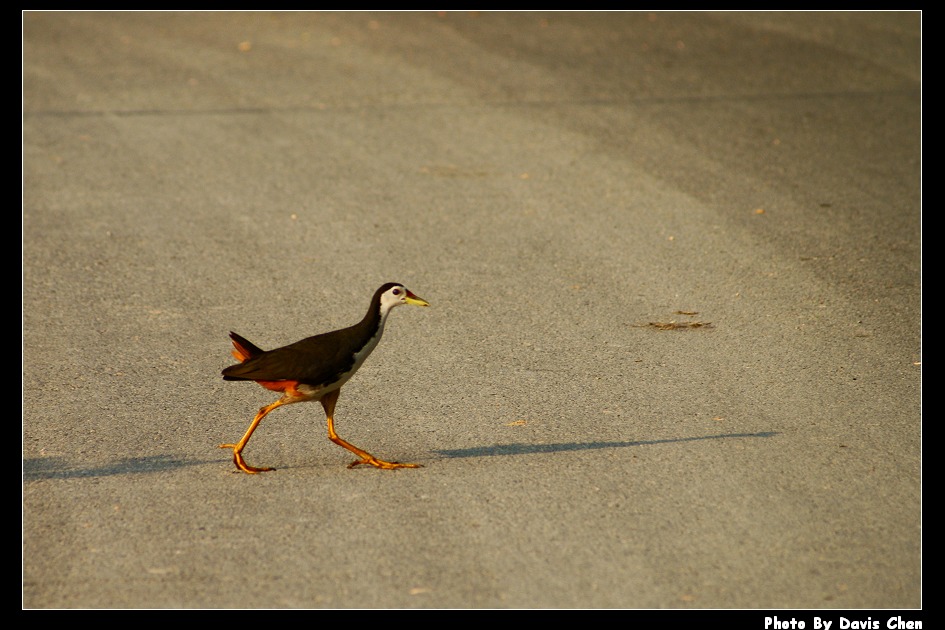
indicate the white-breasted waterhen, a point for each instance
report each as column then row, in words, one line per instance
column 315, row 368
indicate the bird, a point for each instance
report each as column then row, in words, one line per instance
column 316, row 368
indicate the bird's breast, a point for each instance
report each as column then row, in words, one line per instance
column 359, row 357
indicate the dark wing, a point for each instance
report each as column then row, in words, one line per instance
column 315, row 361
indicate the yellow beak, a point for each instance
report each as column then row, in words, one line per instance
column 416, row 300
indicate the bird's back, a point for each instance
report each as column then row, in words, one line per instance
column 314, row 360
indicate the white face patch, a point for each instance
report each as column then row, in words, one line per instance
column 394, row 296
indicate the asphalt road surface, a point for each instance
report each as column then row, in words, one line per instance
column 673, row 357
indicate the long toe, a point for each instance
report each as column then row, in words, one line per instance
column 252, row 470
column 246, row 468
column 380, row 463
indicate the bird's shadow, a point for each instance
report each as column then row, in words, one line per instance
column 557, row 447
column 37, row 468
column 40, row 468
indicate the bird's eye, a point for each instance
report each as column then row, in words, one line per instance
column 396, row 291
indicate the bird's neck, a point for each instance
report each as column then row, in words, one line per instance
column 375, row 319
column 372, row 327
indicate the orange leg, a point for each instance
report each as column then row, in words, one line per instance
column 328, row 402
column 239, row 446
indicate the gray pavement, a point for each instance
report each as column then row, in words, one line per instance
column 673, row 358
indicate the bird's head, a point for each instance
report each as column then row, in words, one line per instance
column 394, row 294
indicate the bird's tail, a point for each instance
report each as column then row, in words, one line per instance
column 243, row 349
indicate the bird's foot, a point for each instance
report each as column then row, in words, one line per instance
column 241, row 463
column 380, row 463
